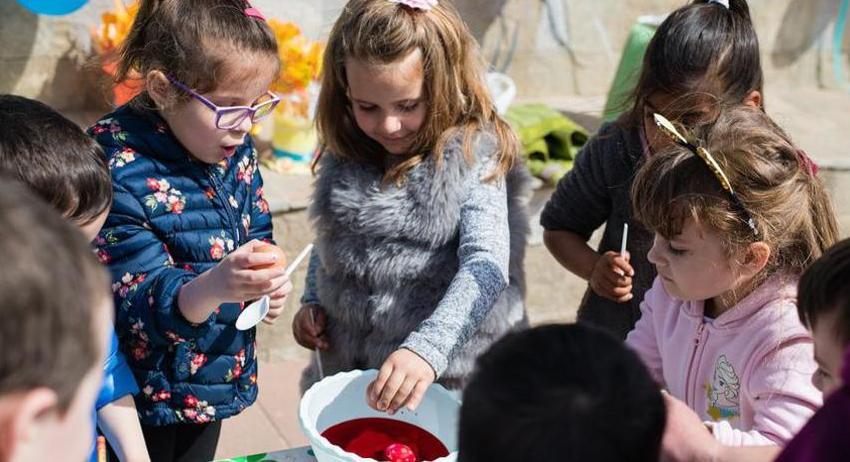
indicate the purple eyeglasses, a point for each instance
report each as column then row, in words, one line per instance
column 230, row 117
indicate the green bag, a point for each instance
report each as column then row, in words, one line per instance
column 628, row 71
column 550, row 140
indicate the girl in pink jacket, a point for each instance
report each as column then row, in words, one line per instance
column 736, row 218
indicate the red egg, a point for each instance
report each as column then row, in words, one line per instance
column 398, row 452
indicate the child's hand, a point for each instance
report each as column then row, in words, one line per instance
column 283, row 286
column 685, row 435
column 612, row 277
column 232, row 280
column 402, row 381
column 236, row 279
column 119, row 422
column 309, row 328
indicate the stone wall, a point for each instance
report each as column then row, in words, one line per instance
column 550, row 47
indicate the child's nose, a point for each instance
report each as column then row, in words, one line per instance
column 653, row 255
column 244, row 125
column 390, row 125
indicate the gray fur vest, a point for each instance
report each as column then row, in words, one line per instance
column 388, row 254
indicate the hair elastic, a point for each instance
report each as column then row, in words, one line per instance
column 424, row 5
column 252, row 12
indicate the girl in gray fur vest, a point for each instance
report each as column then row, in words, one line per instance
column 419, row 206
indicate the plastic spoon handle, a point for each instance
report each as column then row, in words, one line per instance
column 291, row 268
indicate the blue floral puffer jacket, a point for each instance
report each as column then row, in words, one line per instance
column 173, row 218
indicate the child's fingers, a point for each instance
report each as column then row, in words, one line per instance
column 319, row 320
column 313, row 329
column 390, row 389
column 301, row 330
column 616, row 280
column 610, row 290
column 276, row 300
column 321, row 343
column 417, row 395
column 625, row 298
column 621, row 265
column 267, row 275
column 247, row 247
column 307, row 341
column 256, row 281
column 403, row 393
column 248, row 260
column 378, row 384
column 280, row 287
column 308, row 333
column 273, row 314
column 621, row 291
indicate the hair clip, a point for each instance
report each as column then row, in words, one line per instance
column 252, row 12
column 424, row 5
column 724, row 3
column 669, row 129
column 810, row 165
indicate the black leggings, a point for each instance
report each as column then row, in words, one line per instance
column 182, row 442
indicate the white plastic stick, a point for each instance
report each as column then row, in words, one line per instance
column 291, row 268
column 318, row 353
column 625, row 239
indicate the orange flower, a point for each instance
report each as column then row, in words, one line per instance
column 301, row 59
column 115, row 27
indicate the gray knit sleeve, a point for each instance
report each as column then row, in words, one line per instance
column 310, row 295
column 482, row 275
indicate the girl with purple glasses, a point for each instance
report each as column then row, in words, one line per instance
column 188, row 213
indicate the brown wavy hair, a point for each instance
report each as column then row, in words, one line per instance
column 382, row 32
column 774, row 180
column 192, row 41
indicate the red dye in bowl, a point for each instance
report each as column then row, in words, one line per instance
column 386, row 439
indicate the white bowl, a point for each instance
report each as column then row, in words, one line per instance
column 342, row 397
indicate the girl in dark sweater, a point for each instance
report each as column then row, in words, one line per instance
column 705, row 55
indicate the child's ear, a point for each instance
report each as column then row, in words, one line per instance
column 22, row 418
column 753, row 99
column 758, row 254
column 159, row 88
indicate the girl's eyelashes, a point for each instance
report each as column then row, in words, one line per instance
column 408, row 107
column 674, row 250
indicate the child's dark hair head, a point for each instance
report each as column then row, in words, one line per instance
column 54, row 293
column 55, row 158
column 197, row 42
column 702, row 56
column 774, row 181
column 560, row 392
column 825, row 287
column 381, row 32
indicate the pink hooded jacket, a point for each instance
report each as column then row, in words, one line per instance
column 748, row 372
